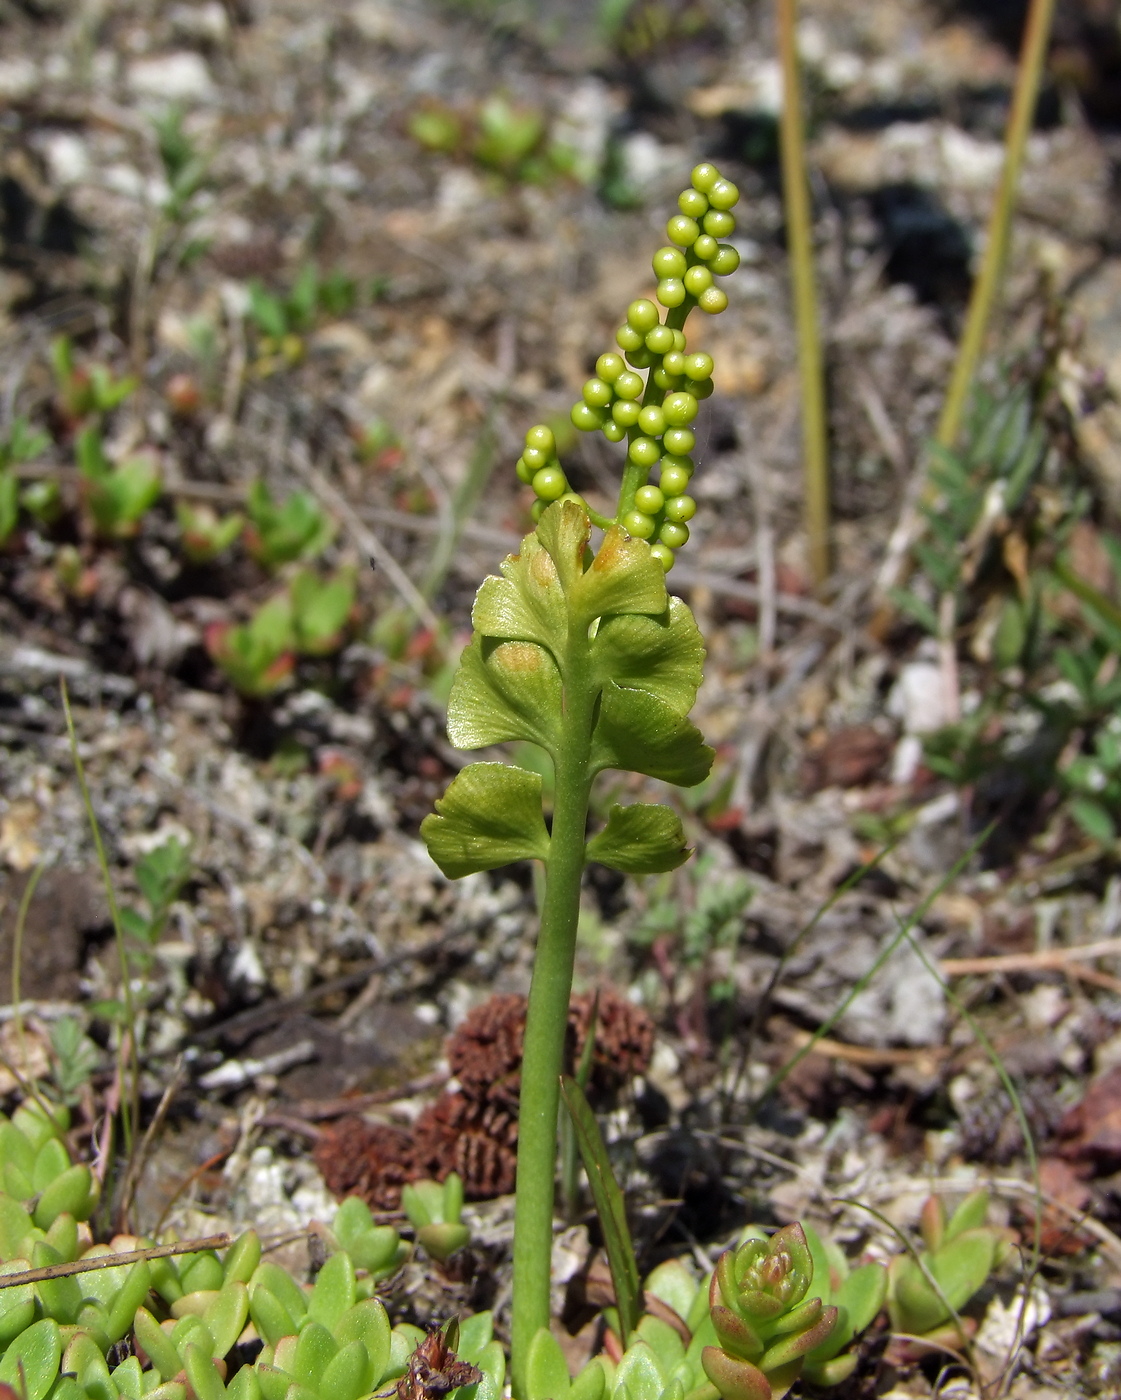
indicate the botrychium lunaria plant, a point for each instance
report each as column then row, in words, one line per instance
column 586, row 655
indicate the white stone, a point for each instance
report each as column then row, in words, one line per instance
column 19, row 78
column 584, row 123
column 919, row 698
column 646, row 162
column 208, row 21
column 67, row 157
column 970, row 164
column 458, row 192
column 171, row 77
column 1006, row 1328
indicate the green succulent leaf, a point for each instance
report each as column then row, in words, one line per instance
column 475, row 1333
column 453, row 1197
column 662, row 654
column 244, row 1386
column 349, row 1373
column 664, row 1341
column 9, row 504
column 443, row 1239
column 489, row 816
column 829, row 1373
column 15, row 1225
column 733, row 1378
column 963, row 1264
column 736, row 1335
column 797, row 1344
column 158, row 1345
column 129, row 1296
column 641, row 734
column 242, row 1258
column 334, row 1291
column 281, row 1283
column 547, row 1370
column 61, row 1297
column 226, row 1314
column 352, row 1220
column 205, row 1380
column 273, row 1381
column 315, row 1350
column 862, row 1295
column 492, row 1362
column 72, row 1191
column 270, row 1317
column 505, row 691
column 673, row 1284
column 423, row 1203
column 915, row 1306
column 640, row 1372
column 643, row 839
column 970, row 1215
column 17, row 1303
column 591, row 1383
column 30, row 1363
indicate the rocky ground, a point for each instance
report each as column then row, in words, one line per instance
column 479, row 186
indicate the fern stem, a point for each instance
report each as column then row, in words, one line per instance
column 547, row 1014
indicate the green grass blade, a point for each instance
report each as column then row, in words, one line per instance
column 610, row 1206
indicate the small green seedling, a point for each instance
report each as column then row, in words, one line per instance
column 283, row 320
column 278, row 533
column 204, row 534
column 766, row 1315
column 857, row 1294
column 75, row 1057
column 377, row 1249
column 509, row 139
column 257, row 656
column 321, row 609
column 22, row 444
column 435, row 1212
column 927, row 1291
column 184, row 165
column 161, row 875
column 437, row 127
column 84, row 393
column 118, row 496
column 507, row 134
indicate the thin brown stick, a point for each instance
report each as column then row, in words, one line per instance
column 112, row 1261
column 866, row 1054
column 1048, row 960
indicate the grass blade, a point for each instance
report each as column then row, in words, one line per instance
column 610, row 1206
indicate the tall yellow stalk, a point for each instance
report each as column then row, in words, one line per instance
column 1033, row 52
column 799, row 237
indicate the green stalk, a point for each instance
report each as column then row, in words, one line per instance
column 1033, row 52
column 130, row 1093
column 799, row 238
column 547, row 1015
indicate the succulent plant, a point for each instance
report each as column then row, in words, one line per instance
column 436, row 1211
column 857, row 1294
column 377, row 1249
column 927, row 1290
column 766, row 1316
